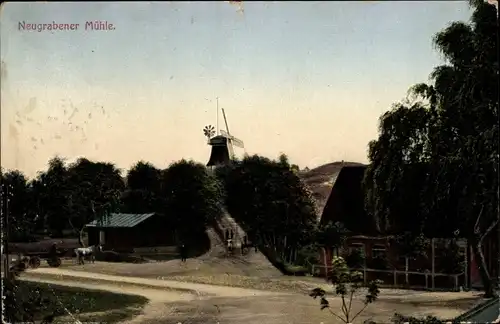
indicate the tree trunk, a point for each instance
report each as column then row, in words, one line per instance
column 77, row 232
column 80, row 237
column 477, row 249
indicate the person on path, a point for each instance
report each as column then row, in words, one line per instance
column 230, row 246
column 257, row 242
column 53, row 251
column 183, row 252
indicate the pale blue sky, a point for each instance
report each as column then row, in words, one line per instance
column 306, row 78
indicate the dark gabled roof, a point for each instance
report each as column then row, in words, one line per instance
column 120, row 220
column 346, row 202
column 321, row 180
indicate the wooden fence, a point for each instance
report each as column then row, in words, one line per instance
column 406, row 279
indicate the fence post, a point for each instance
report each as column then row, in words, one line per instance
column 364, row 266
column 466, row 265
column 433, row 262
column 407, row 267
column 395, row 274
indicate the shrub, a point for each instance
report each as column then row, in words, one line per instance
column 112, row 256
column 296, row 270
column 401, row 319
column 355, row 259
column 308, row 254
column 346, row 283
column 20, row 305
column 450, row 260
column 378, row 262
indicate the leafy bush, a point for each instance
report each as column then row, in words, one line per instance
column 450, row 260
column 21, row 305
column 308, row 254
column 112, row 256
column 296, row 270
column 355, row 259
column 346, row 283
column 378, row 262
column 411, row 244
column 401, row 319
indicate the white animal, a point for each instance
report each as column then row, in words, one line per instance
column 83, row 252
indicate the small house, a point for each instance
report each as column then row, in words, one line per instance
column 124, row 232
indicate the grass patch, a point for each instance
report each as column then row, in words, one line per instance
column 296, row 270
column 105, row 305
column 111, row 316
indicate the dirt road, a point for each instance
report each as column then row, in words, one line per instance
column 194, row 303
column 158, row 299
column 193, row 288
column 166, row 297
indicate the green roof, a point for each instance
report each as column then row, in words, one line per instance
column 120, row 220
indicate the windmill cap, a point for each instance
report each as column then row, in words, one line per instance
column 219, row 137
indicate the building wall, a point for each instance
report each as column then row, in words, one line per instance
column 376, row 245
column 380, row 246
column 152, row 232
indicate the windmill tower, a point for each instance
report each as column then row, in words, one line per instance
column 222, row 145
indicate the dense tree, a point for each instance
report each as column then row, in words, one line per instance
column 68, row 197
column 16, row 197
column 434, row 167
column 143, row 190
column 271, row 202
column 394, row 180
column 51, row 190
column 94, row 191
column 192, row 196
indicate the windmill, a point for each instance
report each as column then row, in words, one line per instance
column 222, row 145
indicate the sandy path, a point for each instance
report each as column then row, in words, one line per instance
column 198, row 289
column 163, row 303
column 157, row 307
column 172, row 302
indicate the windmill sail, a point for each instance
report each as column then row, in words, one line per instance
column 235, row 141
